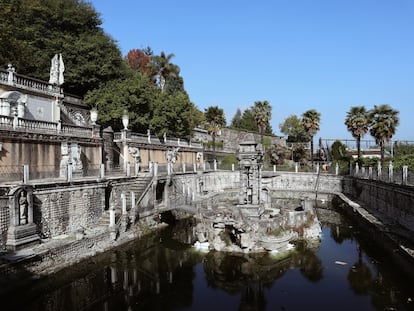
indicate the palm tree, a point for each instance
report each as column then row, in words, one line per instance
column 384, row 122
column 163, row 68
column 215, row 122
column 262, row 112
column 310, row 121
column 357, row 122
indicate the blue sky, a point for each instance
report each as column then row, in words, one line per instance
column 326, row 55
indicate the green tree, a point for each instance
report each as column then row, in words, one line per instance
column 293, row 128
column 235, row 122
column 136, row 95
column 174, row 115
column 262, row 112
column 384, row 123
column 216, row 120
column 247, row 122
column 357, row 123
column 33, row 31
column 310, row 121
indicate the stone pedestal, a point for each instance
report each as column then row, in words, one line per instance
column 22, row 236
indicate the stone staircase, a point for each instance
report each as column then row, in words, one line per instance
column 138, row 187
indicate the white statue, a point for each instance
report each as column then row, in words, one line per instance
column 56, row 70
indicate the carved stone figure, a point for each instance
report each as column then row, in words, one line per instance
column 23, row 208
column 56, row 70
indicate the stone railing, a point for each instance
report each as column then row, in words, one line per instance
column 151, row 139
column 27, row 83
column 44, row 127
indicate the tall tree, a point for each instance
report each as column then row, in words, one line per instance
column 310, row 121
column 384, row 123
column 136, row 95
column 164, row 69
column 262, row 112
column 293, row 128
column 235, row 122
column 33, row 31
column 216, row 120
column 357, row 122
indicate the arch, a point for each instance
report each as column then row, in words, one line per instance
column 11, row 96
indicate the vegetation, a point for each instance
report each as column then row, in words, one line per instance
column 384, row 122
column 262, row 113
column 357, row 122
column 310, row 121
column 293, row 128
column 246, row 122
column 216, row 120
column 228, row 161
column 33, row 31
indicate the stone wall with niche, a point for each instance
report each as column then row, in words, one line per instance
column 67, row 209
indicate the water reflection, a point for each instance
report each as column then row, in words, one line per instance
column 162, row 272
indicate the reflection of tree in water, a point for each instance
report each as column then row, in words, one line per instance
column 360, row 277
column 250, row 274
column 309, row 264
column 364, row 281
column 340, row 233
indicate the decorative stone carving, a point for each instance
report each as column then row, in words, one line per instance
column 22, row 230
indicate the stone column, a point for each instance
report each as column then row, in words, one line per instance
column 108, row 152
column 390, row 172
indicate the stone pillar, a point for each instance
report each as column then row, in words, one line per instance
column 5, row 108
column 370, row 172
column 390, row 172
column 128, row 169
column 317, row 168
column 215, row 165
column 22, row 231
column 70, row 172
column 133, row 211
column 124, row 152
column 155, row 169
column 183, row 166
column 336, row 169
column 356, row 169
column 274, row 168
column 232, row 167
column 379, row 171
column 296, row 167
column 108, row 152
column 405, row 175
column 21, row 106
column 102, row 171
column 112, row 216
column 25, row 174
column 194, row 167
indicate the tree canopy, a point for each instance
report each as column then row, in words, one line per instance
column 246, row 122
column 33, row 31
column 293, row 128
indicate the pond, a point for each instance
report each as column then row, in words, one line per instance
column 346, row 271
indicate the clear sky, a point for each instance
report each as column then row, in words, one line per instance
column 326, row 55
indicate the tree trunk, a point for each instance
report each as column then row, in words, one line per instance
column 311, row 155
column 214, row 145
column 358, row 142
column 382, row 152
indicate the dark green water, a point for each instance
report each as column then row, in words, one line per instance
column 346, row 271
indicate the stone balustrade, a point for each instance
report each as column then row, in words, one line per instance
column 151, row 139
column 28, row 83
column 45, row 127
